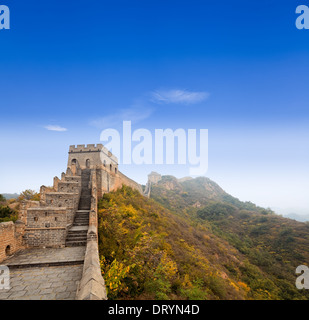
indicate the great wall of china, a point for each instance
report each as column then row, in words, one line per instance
column 51, row 251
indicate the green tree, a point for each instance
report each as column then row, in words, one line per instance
column 2, row 199
column 216, row 210
column 29, row 195
column 7, row 214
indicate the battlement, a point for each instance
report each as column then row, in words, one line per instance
column 90, row 148
column 87, row 148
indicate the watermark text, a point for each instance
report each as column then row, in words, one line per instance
column 166, row 146
column 4, row 278
column 4, row 17
column 302, row 281
column 302, row 21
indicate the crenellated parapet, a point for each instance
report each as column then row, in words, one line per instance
column 86, row 148
column 91, row 156
column 47, row 221
column 82, row 148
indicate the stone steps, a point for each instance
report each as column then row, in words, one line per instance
column 81, row 221
column 74, row 233
column 46, row 264
column 76, row 237
column 78, row 220
column 82, row 217
column 84, row 206
column 73, row 243
column 81, row 224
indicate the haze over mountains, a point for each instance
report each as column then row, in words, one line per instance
column 295, row 214
column 192, row 240
column 9, row 196
column 299, row 215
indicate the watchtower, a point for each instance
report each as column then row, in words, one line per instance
column 91, row 156
column 154, row 177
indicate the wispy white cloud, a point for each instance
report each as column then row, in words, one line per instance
column 134, row 114
column 55, row 128
column 141, row 109
column 178, row 96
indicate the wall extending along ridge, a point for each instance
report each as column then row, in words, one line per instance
column 92, row 285
column 153, row 178
column 45, row 223
column 109, row 181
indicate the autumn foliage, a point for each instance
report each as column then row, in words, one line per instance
column 168, row 248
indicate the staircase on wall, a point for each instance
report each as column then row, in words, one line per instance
column 77, row 234
column 56, row 238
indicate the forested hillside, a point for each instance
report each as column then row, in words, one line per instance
column 194, row 241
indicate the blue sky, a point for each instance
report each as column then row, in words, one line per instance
column 237, row 68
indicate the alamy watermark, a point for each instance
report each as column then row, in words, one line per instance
column 302, row 21
column 4, row 17
column 164, row 147
column 302, row 281
column 4, row 278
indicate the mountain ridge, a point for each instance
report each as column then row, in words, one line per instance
column 192, row 240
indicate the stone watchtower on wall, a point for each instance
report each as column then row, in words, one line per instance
column 97, row 158
column 91, row 171
column 92, row 157
column 67, row 215
column 153, row 178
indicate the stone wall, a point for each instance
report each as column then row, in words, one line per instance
column 92, row 285
column 45, row 223
column 46, row 238
column 90, row 157
column 46, row 227
column 98, row 158
column 68, row 186
column 110, row 181
column 11, row 238
column 153, row 178
column 48, row 220
column 123, row 179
